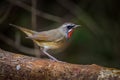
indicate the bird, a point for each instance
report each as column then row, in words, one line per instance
column 54, row 39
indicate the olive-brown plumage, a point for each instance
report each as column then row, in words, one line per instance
column 51, row 39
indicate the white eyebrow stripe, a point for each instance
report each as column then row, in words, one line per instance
column 69, row 30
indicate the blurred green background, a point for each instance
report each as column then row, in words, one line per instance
column 96, row 42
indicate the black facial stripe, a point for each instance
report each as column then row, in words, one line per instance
column 70, row 27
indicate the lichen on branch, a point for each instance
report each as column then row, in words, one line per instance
column 20, row 67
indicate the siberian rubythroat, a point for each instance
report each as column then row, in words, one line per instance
column 52, row 39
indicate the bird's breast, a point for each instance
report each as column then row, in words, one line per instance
column 51, row 44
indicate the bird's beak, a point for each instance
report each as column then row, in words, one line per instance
column 76, row 26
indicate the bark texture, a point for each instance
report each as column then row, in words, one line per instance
column 20, row 67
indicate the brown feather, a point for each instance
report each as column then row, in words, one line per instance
column 41, row 36
column 26, row 31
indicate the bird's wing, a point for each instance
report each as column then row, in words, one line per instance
column 51, row 35
column 39, row 36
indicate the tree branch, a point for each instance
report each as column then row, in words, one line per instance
column 38, row 12
column 20, row 67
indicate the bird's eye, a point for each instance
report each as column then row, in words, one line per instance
column 70, row 27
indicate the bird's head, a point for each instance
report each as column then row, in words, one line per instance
column 67, row 29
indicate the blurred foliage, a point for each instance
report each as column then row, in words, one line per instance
column 97, row 41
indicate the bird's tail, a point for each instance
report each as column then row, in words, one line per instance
column 28, row 32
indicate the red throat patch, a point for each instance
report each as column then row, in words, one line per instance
column 70, row 32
